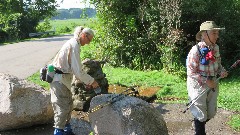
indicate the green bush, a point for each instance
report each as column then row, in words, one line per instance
column 159, row 34
column 65, row 29
column 19, row 18
column 44, row 26
column 136, row 34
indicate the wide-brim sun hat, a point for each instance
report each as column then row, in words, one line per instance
column 208, row 25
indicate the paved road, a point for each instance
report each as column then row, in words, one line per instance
column 26, row 58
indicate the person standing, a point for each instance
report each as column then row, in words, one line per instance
column 67, row 64
column 203, row 66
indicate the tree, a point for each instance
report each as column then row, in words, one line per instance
column 20, row 17
column 75, row 12
column 62, row 14
column 154, row 34
column 224, row 13
column 136, row 34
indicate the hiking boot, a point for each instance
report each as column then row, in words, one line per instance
column 68, row 130
column 199, row 127
column 59, row 132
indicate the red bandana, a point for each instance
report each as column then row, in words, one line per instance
column 210, row 56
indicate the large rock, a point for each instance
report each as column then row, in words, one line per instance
column 82, row 95
column 127, row 116
column 80, row 126
column 22, row 104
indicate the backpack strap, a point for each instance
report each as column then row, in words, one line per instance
column 199, row 51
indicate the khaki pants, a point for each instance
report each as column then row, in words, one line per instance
column 206, row 105
column 62, row 103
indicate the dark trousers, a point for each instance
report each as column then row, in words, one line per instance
column 199, row 127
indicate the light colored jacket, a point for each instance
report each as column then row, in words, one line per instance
column 68, row 61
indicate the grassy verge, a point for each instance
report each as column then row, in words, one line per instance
column 35, row 78
column 171, row 86
column 229, row 98
column 229, row 93
column 235, row 122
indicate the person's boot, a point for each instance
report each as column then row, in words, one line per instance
column 199, row 127
column 68, row 129
column 58, row 131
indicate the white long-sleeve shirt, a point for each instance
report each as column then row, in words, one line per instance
column 68, row 61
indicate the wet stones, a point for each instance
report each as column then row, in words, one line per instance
column 83, row 94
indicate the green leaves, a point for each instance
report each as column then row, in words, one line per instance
column 133, row 31
column 19, row 18
column 44, row 26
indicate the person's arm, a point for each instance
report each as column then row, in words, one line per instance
column 193, row 65
column 76, row 66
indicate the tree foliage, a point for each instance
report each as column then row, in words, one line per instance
column 20, row 17
column 157, row 34
column 135, row 33
column 225, row 14
column 75, row 13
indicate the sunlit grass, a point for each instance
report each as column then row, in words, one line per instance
column 35, row 78
column 229, row 93
column 61, row 25
column 235, row 122
column 171, row 86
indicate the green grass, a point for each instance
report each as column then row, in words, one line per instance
column 235, row 122
column 229, row 93
column 67, row 26
column 229, row 98
column 171, row 86
column 35, row 78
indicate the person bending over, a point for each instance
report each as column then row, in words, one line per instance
column 68, row 62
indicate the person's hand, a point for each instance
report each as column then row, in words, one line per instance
column 224, row 74
column 211, row 84
column 95, row 84
column 88, row 87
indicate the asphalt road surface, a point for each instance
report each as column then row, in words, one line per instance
column 26, row 58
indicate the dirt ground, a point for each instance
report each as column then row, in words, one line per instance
column 179, row 123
